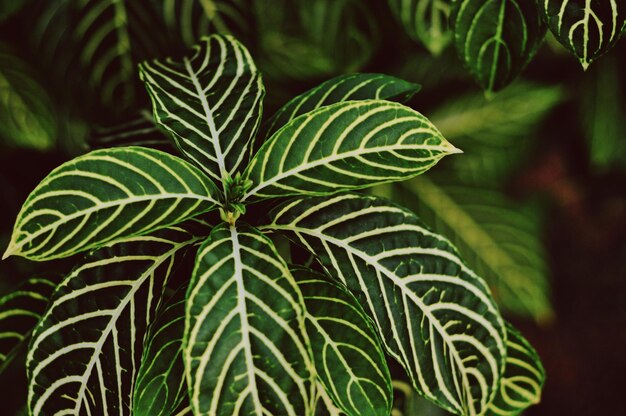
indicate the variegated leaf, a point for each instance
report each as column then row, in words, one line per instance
column 349, row 87
column 497, row 38
column 523, row 377
column 498, row 238
column 19, row 313
column 85, row 352
column 210, row 102
column 587, row 28
column 433, row 314
column 349, row 145
column 349, row 360
column 245, row 347
column 425, row 21
column 108, row 195
column 160, row 387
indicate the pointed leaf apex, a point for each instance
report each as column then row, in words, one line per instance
column 9, row 252
column 585, row 64
column 454, row 150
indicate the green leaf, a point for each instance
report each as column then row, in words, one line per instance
column 602, row 109
column 586, row 28
column 433, row 314
column 19, row 313
column 85, row 352
column 425, row 21
column 245, row 346
column 160, row 387
column 210, row 102
column 108, row 195
column 349, row 87
column 523, row 377
column 349, row 360
column 494, row 132
column 501, row 240
column 26, row 113
column 349, row 145
column 9, row 7
column 139, row 130
column 304, row 39
column 496, row 39
column 190, row 20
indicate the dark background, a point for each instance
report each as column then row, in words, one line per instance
column 583, row 201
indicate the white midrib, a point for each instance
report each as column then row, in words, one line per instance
column 372, row 262
column 209, row 118
column 455, row 217
column 110, row 204
column 344, row 155
column 105, row 333
column 243, row 315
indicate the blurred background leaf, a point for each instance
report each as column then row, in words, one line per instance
column 26, row 112
column 603, row 112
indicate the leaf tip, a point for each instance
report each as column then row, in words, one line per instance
column 9, row 252
column 585, row 64
column 452, row 150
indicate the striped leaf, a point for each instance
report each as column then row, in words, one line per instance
column 244, row 346
column 523, row 377
column 160, row 387
column 108, row 195
column 19, row 313
column 210, row 102
column 587, row 28
column 349, row 87
column 425, row 21
column 349, row 145
column 349, row 360
column 433, row 314
column 86, row 350
column 496, row 39
column 139, row 130
column 498, row 238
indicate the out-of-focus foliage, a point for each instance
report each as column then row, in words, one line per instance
column 495, row 134
column 26, row 111
column 425, row 21
column 304, row 39
column 496, row 39
column 494, row 234
column 603, row 110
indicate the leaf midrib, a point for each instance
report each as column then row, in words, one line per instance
column 243, row 316
column 209, row 118
column 105, row 205
column 339, row 156
column 372, row 262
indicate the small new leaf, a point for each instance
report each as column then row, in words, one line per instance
column 348, row 145
column 108, row 195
